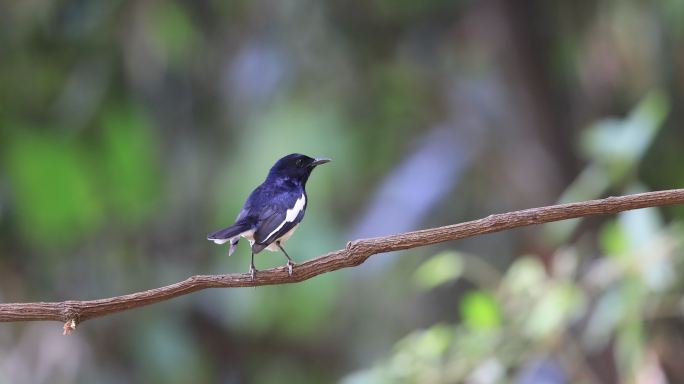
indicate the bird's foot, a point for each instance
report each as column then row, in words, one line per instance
column 252, row 271
column 290, row 265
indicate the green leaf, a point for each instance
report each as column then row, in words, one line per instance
column 439, row 269
column 479, row 310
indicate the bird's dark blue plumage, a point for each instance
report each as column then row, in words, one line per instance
column 274, row 209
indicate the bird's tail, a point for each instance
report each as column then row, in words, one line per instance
column 223, row 235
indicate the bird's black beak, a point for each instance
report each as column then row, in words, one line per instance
column 319, row 161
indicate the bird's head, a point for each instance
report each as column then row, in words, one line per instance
column 296, row 166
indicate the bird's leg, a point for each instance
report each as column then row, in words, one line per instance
column 290, row 262
column 252, row 269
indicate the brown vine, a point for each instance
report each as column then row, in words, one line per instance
column 73, row 312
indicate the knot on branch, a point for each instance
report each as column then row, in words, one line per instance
column 71, row 311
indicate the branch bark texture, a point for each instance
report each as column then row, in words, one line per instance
column 73, row 312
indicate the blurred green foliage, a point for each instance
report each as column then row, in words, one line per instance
column 534, row 312
column 439, row 269
column 53, row 188
column 613, row 148
column 479, row 310
column 541, row 309
column 130, row 172
column 64, row 189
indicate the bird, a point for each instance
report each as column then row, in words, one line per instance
column 273, row 210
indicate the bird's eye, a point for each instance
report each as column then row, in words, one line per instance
column 299, row 163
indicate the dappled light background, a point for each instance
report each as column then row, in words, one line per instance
column 129, row 130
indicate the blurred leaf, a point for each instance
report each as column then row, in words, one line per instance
column 427, row 344
column 558, row 305
column 613, row 308
column 130, row 163
column 639, row 240
column 526, row 275
column 589, row 184
column 614, row 148
column 613, row 239
column 439, row 269
column 621, row 143
column 471, row 346
column 417, row 358
column 52, row 187
column 480, row 310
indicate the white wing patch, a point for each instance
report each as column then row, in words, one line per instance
column 290, row 215
column 220, row 241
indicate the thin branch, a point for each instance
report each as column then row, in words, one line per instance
column 73, row 312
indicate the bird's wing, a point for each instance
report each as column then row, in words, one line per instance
column 243, row 213
column 246, row 212
column 278, row 218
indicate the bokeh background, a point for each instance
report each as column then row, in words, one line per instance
column 129, row 130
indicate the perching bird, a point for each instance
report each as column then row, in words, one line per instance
column 273, row 210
